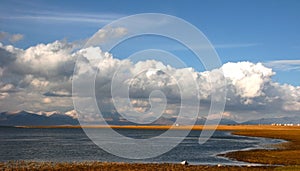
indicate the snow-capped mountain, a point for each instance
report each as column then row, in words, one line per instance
column 71, row 113
column 26, row 118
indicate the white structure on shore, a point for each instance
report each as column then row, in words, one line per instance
column 280, row 124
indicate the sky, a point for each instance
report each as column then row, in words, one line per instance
column 251, row 37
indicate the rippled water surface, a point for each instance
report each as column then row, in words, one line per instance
column 73, row 145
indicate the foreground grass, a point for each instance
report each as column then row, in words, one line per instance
column 287, row 153
column 106, row 166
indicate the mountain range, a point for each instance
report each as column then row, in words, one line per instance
column 268, row 121
column 27, row 118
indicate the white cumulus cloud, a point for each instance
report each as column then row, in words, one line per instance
column 40, row 78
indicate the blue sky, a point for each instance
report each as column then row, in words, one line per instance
column 245, row 34
column 255, row 31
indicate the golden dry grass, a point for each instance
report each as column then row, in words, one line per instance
column 106, row 166
column 287, row 153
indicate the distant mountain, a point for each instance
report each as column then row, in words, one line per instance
column 200, row 121
column 25, row 118
column 170, row 121
column 268, row 121
column 71, row 113
column 159, row 121
column 223, row 121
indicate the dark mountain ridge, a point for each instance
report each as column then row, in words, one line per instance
column 26, row 118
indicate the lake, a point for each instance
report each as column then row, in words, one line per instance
column 71, row 144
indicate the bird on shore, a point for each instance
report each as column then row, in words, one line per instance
column 184, row 162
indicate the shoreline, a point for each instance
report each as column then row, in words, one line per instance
column 283, row 155
column 166, row 127
column 265, row 146
column 94, row 165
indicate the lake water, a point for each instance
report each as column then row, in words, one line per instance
column 74, row 145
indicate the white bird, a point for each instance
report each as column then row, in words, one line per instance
column 184, row 162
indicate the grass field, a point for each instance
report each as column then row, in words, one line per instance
column 105, row 166
column 285, row 154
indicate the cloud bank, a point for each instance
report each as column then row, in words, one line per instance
column 40, row 79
